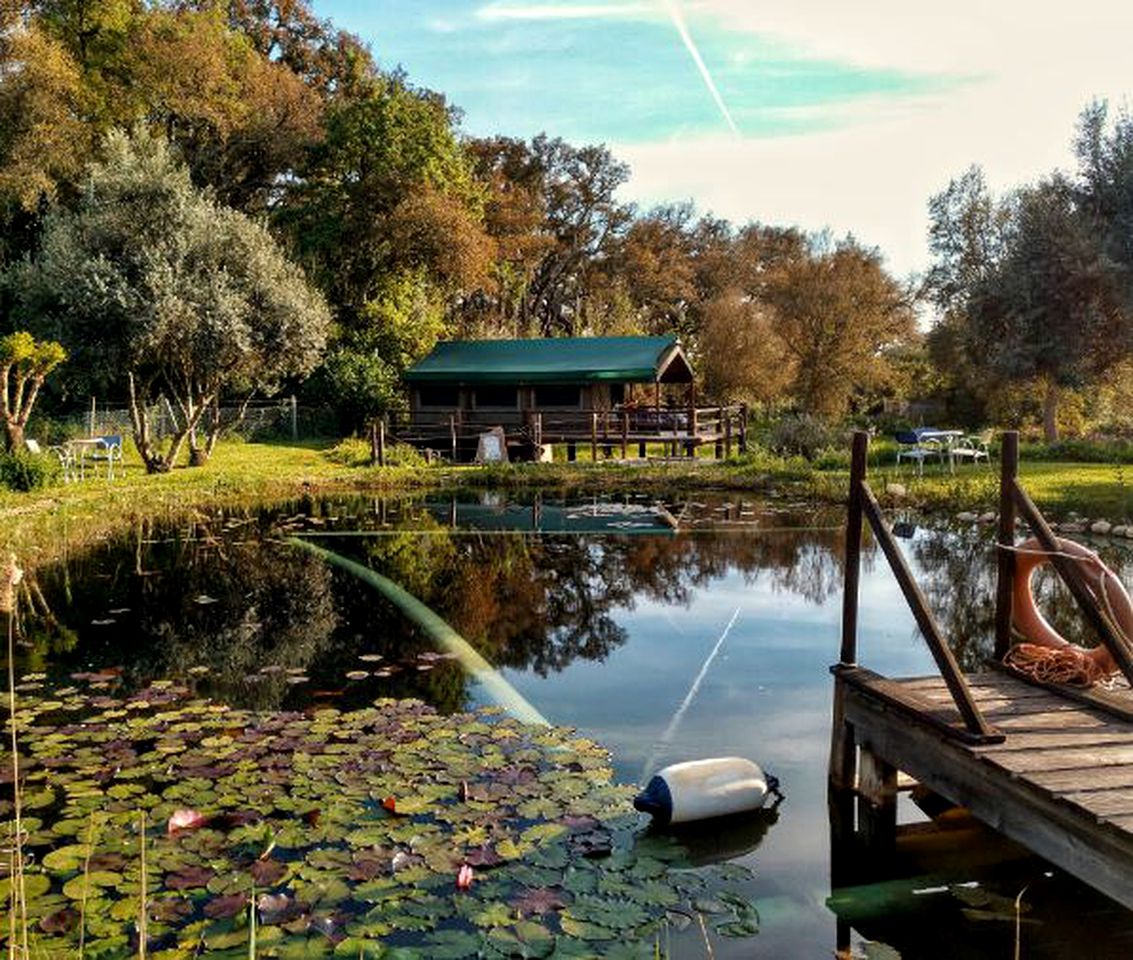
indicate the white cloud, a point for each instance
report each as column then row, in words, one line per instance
column 1029, row 73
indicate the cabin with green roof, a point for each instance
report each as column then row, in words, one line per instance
column 545, row 391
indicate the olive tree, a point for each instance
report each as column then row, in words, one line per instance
column 155, row 287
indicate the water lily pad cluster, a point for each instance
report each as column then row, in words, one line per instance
column 390, row 831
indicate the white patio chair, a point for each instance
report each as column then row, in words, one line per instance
column 911, row 447
column 974, row 448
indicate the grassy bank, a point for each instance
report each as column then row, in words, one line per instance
column 41, row 524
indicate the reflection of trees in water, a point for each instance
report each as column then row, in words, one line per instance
column 171, row 600
column 960, row 582
column 542, row 602
column 212, row 593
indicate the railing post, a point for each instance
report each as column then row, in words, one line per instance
column 728, row 433
column 1005, row 555
column 743, row 428
column 849, row 654
column 452, row 435
column 625, row 435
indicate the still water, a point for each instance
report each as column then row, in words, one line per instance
column 713, row 639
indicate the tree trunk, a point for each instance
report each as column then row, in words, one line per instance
column 1050, row 412
column 13, row 436
column 139, row 419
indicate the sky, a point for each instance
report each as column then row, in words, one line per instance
column 821, row 114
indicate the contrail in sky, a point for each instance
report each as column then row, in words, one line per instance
column 677, row 16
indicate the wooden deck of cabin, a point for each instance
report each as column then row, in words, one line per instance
column 1060, row 782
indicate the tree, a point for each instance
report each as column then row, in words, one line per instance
column 43, row 141
column 24, row 365
column 836, row 313
column 241, row 121
column 1050, row 311
column 389, row 169
column 152, row 281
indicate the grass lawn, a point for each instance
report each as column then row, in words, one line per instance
column 41, row 524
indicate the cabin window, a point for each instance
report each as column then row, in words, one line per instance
column 496, row 397
column 439, row 397
column 556, row 395
column 617, row 393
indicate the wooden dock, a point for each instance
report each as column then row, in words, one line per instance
column 1060, row 783
column 1048, row 767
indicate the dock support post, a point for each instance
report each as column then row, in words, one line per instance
column 378, row 443
column 877, row 802
column 853, row 550
column 1005, row 558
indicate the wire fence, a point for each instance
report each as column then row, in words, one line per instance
column 279, row 419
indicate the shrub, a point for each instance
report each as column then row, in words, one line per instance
column 355, row 452
column 803, row 435
column 25, row 471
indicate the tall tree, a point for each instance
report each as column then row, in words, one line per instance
column 151, row 281
column 1050, row 311
column 836, row 313
column 388, row 189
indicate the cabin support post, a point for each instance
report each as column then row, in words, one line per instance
column 378, row 443
column 1005, row 539
column 452, row 435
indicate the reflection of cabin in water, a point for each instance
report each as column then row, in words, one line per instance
column 603, row 391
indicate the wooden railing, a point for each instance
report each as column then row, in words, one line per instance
column 863, row 506
column 680, row 429
column 1012, row 498
column 1013, row 501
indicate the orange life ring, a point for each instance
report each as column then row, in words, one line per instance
column 1102, row 582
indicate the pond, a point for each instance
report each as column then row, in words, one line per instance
column 661, row 644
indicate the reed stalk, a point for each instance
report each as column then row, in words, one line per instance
column 142, row 919
column 86, row 887
column 19, row 918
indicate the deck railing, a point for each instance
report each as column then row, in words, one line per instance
column 680, row 430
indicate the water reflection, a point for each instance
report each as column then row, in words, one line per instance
column 603, row 630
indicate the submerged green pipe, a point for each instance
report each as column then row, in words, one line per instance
column 499, row 690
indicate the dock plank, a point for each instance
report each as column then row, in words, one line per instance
column 1061, row 783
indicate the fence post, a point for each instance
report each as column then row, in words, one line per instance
column 294, row 417
column 719, row 432
column 1005, row 538
column 728, row 433
column 853, row 550
column 91, row 420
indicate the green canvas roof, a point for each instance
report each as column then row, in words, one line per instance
column 560, row 360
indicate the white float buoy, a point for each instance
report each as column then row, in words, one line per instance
column 700, row 789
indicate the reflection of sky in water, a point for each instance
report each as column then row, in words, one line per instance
column 765, row 696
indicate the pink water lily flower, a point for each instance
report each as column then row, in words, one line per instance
column 185, row 820
column 464, row 877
